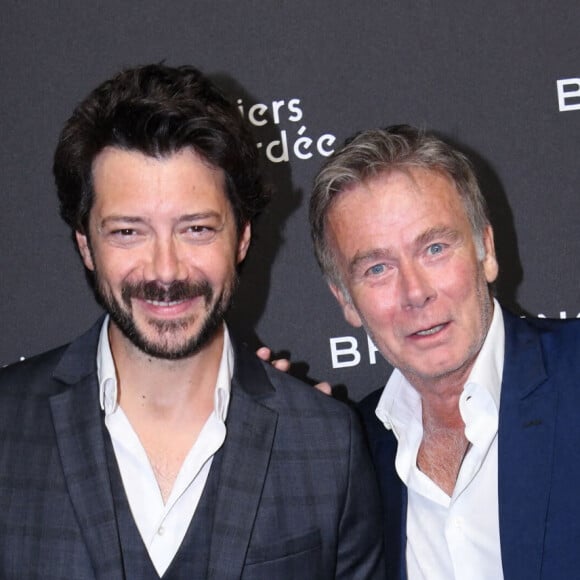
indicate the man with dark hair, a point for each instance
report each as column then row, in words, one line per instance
column 154, row 445
column 475, row 437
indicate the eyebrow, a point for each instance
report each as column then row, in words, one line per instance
column 437, row 232
column 202, row 215
column 113, row 219
column 139, row 220
column 370, row 256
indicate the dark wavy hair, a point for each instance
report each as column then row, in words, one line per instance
column 157, row 110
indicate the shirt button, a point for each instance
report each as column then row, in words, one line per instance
column 161, row 530
column 458, row 523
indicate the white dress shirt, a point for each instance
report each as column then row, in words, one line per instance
column 162, row 526
column 453, row 537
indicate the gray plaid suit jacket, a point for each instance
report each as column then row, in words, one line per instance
column 297, row 494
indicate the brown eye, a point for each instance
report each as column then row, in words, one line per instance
column 201, row 230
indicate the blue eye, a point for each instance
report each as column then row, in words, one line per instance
column 434, row 249
column 376, row 269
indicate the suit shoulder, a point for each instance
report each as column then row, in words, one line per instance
column 564, row 325
column 293, row 395
column 28, row 375
column 315, row 423
column 565, row 331
column 556, row 343
column 33, row 376
column 559, row 335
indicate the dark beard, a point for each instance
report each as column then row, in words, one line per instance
column 121, row 315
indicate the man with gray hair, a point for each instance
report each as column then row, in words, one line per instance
column 475, row 437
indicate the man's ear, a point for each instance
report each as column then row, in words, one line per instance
column 85, row 250
column 244, row 242
column 348, row 310
column 490, row 266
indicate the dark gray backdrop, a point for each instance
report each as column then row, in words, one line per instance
column 499, row 79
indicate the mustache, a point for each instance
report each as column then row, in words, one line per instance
column 177, row 290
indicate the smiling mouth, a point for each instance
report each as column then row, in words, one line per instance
column 164, row 304
column 430, row 331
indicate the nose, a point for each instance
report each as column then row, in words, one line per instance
column 416, row 287
column 166, row 264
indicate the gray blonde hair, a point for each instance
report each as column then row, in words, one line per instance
column 370, row 153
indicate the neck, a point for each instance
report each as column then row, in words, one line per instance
column 443, row 445
column 159, row 384
column 166, row 402
column 440, row 399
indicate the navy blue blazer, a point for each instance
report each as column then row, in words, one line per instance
column 538, row 455
column 297, row 494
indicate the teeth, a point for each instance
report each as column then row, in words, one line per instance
column 157, row 303
column 430, row 330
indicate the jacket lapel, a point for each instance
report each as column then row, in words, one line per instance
column 526, row 436
column 394, row 498
column 250, row 435
column 79, row 433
